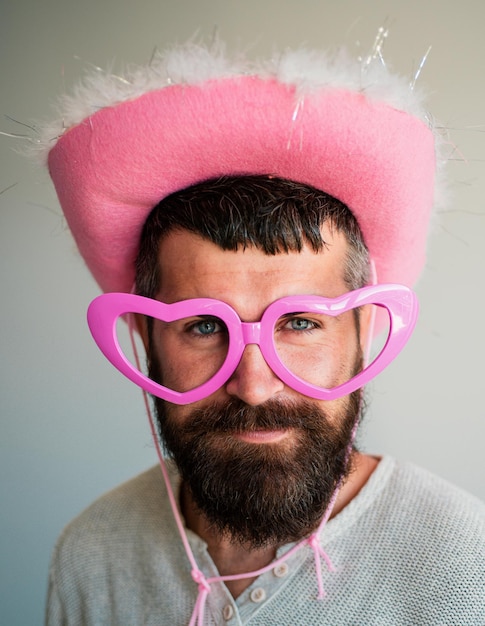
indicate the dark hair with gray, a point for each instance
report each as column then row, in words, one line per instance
column 235, row 212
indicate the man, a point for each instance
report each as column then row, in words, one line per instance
column 262, row 216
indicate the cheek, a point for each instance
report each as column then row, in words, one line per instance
column 329, row 372
column 327, row 363
column 176, row 414
column 181, row 367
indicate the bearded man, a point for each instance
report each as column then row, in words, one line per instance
column 271, row 223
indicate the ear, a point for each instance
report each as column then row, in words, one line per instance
column 140, row 322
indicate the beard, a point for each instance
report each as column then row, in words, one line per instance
column 259, row 495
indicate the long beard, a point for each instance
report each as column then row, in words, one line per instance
column 261, row 494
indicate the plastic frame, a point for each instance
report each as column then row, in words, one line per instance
column 399, row 301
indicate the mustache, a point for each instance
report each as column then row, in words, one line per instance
column 236, row 416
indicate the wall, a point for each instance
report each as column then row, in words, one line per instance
column 71, row 427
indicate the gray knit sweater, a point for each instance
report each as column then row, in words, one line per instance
column 409, row 550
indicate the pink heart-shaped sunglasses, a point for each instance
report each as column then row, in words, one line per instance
column 398, row 301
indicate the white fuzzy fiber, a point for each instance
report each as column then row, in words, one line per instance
column 191, row 64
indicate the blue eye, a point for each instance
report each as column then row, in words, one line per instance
column 300, row 323
column 207, row 327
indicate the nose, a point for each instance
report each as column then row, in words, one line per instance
column 253, row 382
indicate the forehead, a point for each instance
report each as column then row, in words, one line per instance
column 192, row 267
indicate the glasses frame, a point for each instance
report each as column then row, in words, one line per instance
column 400, row 302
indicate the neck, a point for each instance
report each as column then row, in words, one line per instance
column 230, row 557
column 233, row 558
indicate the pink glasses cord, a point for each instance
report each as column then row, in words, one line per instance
column 204, row 583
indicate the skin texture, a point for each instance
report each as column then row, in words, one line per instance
column 249, row 280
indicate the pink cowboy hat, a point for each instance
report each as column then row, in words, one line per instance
column 347, row 128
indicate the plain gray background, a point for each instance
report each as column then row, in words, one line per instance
column 71, row 426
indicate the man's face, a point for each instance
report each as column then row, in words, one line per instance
column 260, row 460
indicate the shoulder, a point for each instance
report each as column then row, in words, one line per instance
column 138, row 503
column 418, row 542
column 446, row 528
column 402, row 491
column 133, row 494
column 429, row 510
column 120, row 527
column 125, row 540
column 433, row 499
column 446, row 522
column 434, row 533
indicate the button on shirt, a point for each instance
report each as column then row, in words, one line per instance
column 228, row 612
column 281, row 570
column 222, row 608
column 258, row 595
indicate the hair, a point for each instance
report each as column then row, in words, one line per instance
column 235, row 212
